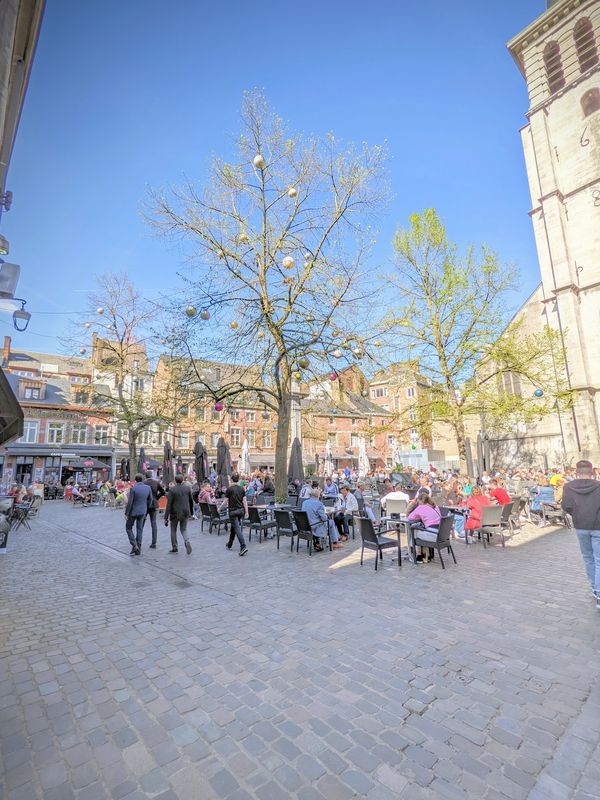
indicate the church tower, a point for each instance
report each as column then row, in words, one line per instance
column 559, row 57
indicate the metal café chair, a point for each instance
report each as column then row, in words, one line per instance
column 376, row 541
column 259, row 524
column 304, row 531
column 491, row 518
column 284, row 526
column 443, row 541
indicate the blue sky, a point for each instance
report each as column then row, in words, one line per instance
column 127, row 95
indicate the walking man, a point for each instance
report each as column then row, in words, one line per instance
column 139, row 503
column 157, row 493
column 581, row 499
column 180, row 507
column 238, row 509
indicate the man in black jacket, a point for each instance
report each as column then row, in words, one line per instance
column 157, row 493
column 180, row 508
column 581, row 499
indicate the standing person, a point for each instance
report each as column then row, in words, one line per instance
column 238, row 509
column 157, row 492
column 581, row 499
column 139, row 503
column 180, row 508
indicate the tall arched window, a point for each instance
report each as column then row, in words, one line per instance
column 585, row 44
column 554, row 69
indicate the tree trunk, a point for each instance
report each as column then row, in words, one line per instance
column 461, row 441
column 281, row 446
column 132, row 455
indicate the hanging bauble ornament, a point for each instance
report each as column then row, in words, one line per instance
column 298, row 376
column 265, row 415
column 205, row 314
column 233, row 325
column 191, row 311
column 310, row 320
column 219, row 406
column 335, row 334
column 539, row 393
column 334, row 411
column 292, row 191
column 243, row 237
column 260, row 335
column 333, row 376
column 337, row 353
column 288, row 262
column 82, row 350
column 303, row 363
column 87, row 324
column 345, row 346
column 357, row 352
column 413, row 447
column 202, row 376
column 259, row 162
column 306, row 264
column 100, row 311
column 365, row 393
column 307, row 256
column 274, row 426
column 377, row 343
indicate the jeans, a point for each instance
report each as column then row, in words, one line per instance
column 152, row 516
column 182, row 528
column 459, row 525
column 139, row 529
column 589, row 544
column 237, row 518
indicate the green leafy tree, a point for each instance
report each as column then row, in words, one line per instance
column 452, row 317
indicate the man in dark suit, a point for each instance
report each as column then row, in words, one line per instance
column 139, row 502
column 157, row 493
column 180, row 507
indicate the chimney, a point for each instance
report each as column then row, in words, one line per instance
column 6, row 352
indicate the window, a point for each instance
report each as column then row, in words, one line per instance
column 215, row 415
column 30, row 431
column 251, row 437
column 250, row 416
column 101, row 434
column 122, row 435
column 214, row 438
column 380, row 391
column 56, row 433
column 354, row 440
column 332, row 437
column 79, row 379
column 81, row 398
column 354, row 421
column 412, row 414
column 138, row 384
column 371, row 441
column 391, row 440
column 590, row 102
column 585, row 44
column 183, row 440
column 235, row 437
column 266, row 439
column 31, row 393
column 78, row 433
column 144, row 437
column 184, row 411
column 234, row 414
column 200, row 437
column 370, row 420
column 136, row 363
column 382, row 422
column 23, row 373
column 331, row 420
column 554, row 69
column 200, row 414
column 218, row 373
column 410, row 391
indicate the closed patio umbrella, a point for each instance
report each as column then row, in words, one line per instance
column 124, row 469
column 295, row 466
column 168, row 474
column 363, row 459
column 244, row 462
column 223, row 463
column 200, row 462
column 328, row 463
column 179, row 465
column 141, row 462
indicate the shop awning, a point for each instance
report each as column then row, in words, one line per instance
column 11, row 414
column 85, row 465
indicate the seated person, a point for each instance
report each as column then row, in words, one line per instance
column 206, row 493
column 345, row 506
column 394, row 494
column 268, row 485
column 425, row 513
column 543, row 494
column 498, row 493
column 306, row 490
column 476, row 502
column 330, row 489
column 319, row 522
column 364, row 507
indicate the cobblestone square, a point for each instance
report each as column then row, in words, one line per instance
column 280, row 675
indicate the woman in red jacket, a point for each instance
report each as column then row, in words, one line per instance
column 476, row 502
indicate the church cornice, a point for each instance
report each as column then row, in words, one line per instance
column 539, row 28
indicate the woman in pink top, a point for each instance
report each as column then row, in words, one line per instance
column 428, row 514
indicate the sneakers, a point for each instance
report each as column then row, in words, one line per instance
column 132, row 553
column 188, row 547
column 152, row 547
column 243, row 551
column 228, row 546
column 174, row 550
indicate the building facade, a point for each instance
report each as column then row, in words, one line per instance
column 558, row 56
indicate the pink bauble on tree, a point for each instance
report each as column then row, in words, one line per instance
column 333, row 376
column 219, row 406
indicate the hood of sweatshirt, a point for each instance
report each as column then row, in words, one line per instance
column 583, row 486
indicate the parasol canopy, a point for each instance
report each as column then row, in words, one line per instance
column 223, row 463
column 124, row 469
column 328, row 463
column 141, row 462
column 295, row 466
column 200, row 462
column 364, row 464
column 168, row 474
column 244, row 462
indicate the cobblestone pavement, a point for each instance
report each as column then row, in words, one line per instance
column 280, row 675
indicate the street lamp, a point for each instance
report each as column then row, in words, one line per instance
column 21, row 317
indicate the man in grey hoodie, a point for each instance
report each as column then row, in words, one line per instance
column 581, row 499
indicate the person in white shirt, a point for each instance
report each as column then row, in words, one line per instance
column 346, row 504
column 396, row 494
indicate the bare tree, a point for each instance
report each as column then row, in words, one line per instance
column 452, row 320
column 279, row 240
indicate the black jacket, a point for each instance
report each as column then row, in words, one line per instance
column 581, row 499
column 179, row 502
column 157, row 489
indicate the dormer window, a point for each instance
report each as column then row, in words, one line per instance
column 31, row 393
column 585, row 44
column 554, row 68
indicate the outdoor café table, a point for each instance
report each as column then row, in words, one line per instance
column 465, row 513
column 405, row 523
